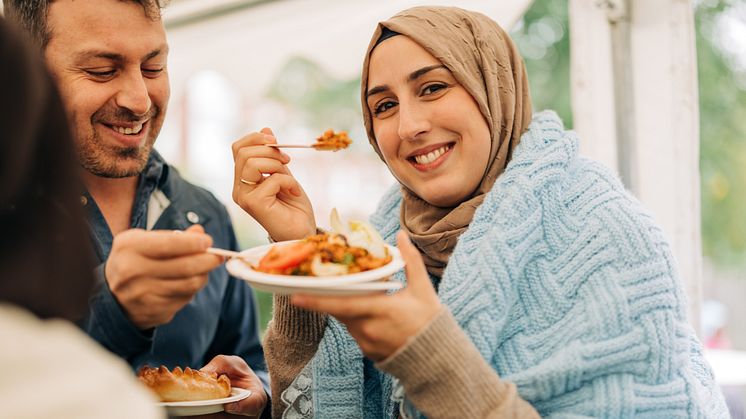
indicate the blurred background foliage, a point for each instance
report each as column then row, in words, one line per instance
column 721, row 49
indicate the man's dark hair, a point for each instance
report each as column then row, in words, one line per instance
column 31, row 16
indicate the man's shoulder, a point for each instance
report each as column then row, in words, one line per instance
column 182, row 190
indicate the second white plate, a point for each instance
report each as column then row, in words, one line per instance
column 204, row 407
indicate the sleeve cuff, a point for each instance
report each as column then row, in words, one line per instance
column 442, row 350
column 296, row 323
column 110, row 326
column 318, row 231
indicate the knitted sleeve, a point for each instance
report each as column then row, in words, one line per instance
column 444, row 376
column 290, row 342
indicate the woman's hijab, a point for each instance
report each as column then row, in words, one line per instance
column 486, row 62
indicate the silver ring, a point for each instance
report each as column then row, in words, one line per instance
column 248, row 182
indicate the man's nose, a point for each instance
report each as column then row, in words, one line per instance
column 133, row 94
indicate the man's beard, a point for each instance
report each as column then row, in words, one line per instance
column 107, row 161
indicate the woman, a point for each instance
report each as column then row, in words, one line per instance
column 49, row 367
column 556, row 293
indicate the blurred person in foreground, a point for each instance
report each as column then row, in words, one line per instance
column 162, row 299
column 49, row 367
column 536, row 285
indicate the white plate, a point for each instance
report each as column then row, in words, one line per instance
column 288, row 284
column 349, row 289
column 204, row 407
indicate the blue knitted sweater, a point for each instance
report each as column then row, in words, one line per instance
column 566, row 287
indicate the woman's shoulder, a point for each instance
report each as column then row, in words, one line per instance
column 547, row 175
column 548, row 158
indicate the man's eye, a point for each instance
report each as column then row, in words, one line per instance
column 101, row 74
column 152, row 71
column 383, row 107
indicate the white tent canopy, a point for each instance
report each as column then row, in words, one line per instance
column 250, row 45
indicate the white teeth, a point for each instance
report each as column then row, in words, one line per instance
column 128, row 131
column 431, row 156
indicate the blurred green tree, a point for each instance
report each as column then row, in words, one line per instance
column 543, row 38
column 722, row 99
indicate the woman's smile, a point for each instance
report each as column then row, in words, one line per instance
column 430, row 158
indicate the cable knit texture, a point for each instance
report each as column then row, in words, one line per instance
column 566, row 287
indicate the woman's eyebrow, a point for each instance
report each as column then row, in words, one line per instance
column 376, row 90
column 419, row 73
column 412, row 77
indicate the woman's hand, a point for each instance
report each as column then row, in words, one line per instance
column 381, row 324
column 264, row 187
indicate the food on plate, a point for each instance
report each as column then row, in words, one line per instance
column 349, row 249
column 184, row 385
column 332, row 141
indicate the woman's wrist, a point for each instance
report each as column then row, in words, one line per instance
column 296, row 323
column 318, row 230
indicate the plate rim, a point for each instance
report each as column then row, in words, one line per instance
column 237, row 394
column 359, row 288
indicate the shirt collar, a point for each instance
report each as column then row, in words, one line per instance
column 154, row 176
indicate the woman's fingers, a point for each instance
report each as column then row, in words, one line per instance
column 253, row 139
column 252, row 162
column 417, row 277
column 277, row 183
column 256, row 170
column 342, row 307
column 247, row 155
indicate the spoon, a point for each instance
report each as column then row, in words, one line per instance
column 223, row 252
column 291, row 145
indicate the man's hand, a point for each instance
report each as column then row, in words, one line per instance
column 241, row 376
column 264, row 187
column 153, row 274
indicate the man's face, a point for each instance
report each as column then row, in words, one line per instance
column 109, row 60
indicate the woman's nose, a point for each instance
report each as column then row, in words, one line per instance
column 413, row 121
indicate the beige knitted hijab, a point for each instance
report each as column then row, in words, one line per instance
column 487, row 64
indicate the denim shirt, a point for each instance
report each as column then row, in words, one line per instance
column 220, row 320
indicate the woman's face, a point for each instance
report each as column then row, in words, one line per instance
column 429, row 128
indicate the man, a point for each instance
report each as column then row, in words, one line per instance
column 162, row 300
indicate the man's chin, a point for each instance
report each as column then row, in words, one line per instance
column 120, row 169
column 114, row 163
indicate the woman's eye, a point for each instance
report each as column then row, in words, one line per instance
column 383, row 107
column 433, row 88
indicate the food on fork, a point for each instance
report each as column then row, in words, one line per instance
column 184, row 385
column 346, row 250
column 332, row 141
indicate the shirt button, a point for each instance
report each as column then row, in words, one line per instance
column 83, row 200
column 192, row 217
